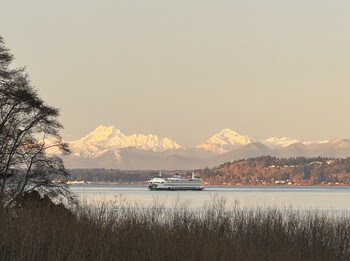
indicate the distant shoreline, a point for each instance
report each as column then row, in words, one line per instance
column 206, row 184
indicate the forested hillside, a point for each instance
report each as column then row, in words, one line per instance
column 267, row 170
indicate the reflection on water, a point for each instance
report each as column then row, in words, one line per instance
column 322, row 198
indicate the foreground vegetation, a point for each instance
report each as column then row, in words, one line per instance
column 39, row 230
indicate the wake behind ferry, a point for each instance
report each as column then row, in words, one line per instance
column 175, row 183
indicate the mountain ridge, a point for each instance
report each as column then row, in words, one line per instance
column 109, row 137
column 108, row 147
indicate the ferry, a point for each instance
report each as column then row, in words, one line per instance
column 175, row 183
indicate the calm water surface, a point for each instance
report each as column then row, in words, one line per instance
column 322, row 198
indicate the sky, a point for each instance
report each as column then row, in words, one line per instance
column 186, row 69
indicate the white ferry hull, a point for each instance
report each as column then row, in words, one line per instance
column 162, row 187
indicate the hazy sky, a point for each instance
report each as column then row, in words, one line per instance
column 187, row 69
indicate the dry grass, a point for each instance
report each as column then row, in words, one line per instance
column 123, row 232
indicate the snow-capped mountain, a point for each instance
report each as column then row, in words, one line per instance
column 278, row 143
column 228, row 140
column 225, row 141
column 108, row 147
column 105, row 138
column 274, row 142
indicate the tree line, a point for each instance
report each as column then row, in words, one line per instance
column 268, row 170
column 110, row 175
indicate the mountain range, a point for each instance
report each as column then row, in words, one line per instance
column 108, row 147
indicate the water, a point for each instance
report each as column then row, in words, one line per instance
column 317, row 198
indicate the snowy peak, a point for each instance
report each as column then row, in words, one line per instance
column 110, row 138
column 228, row 136
column 224, row 141
column 338, row 142
column 103, row 133
column 275, row 142
column 150, row 142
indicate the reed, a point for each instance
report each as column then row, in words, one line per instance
column 120, row 231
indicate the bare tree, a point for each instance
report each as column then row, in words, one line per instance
column 28, row 128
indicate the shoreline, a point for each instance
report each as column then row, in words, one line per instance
column 206, row 184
